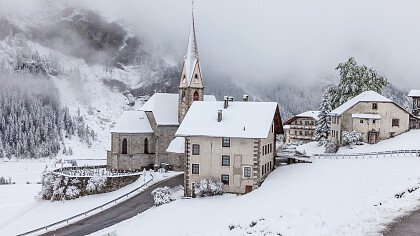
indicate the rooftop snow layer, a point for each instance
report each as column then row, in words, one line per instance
column 368, row 96
column 133, row 122
column 414, row 93
column 311, row 114
column 367, row 116
column 165, row 107
column 240, row 119
column 177, row 145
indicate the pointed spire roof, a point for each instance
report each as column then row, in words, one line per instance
column 191, row 59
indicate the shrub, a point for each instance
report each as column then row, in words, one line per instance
column 161, row 196
column 351, row 137
column 208, row 187
column 72, row 192
column 96, row 183
column 331, row 147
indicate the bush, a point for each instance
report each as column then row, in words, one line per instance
column 161, row 196
column 351, row 137
column 72, row 192
column 208, row 187
column 331, row 147
column 96, row 183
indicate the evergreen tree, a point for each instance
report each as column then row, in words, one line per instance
column 355, row 79
column 324, row 122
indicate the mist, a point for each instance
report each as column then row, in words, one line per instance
column 272, row 40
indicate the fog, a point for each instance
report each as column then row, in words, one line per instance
column 293, row 40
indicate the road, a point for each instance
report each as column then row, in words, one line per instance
column 117, row 213
column 408, row 225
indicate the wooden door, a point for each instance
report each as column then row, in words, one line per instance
column 373, row 137
column 248, row 188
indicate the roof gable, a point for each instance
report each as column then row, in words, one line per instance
column 368, row 96
column 239, row 120
column 132, row 122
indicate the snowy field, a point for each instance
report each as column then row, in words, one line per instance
column 328, row 197
column 406, row 141
column 20, row 211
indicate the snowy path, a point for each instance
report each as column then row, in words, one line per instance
column 118, row 213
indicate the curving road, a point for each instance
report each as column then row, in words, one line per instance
column 408, row 225
column 117, row 213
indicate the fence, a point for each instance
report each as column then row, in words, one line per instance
column 394, row 153
column 80, row 216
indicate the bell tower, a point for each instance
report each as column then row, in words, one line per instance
column 191, row 85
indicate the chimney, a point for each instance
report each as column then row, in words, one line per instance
column 230, row 99
column 245, row 98
column 219, row 115
column 226, row 102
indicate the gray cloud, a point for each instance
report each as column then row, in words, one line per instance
column 282, row 39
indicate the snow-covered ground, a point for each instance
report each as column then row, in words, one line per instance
column 20, row 212
column 406, row 141
column 328, row 197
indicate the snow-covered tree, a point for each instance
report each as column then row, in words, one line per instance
column 324, row 122
column 208, row 187
column 96, row 183
column 351, row 137
column 355, row 79
column 72, row 192
column 47, row 184
column 161, row 196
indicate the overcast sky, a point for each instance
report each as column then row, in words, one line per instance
column 283, row 39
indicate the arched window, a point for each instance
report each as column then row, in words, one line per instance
column 183, row 96
column 146, row 145
column 196, row 96
column 124, row 146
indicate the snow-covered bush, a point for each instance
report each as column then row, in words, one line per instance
column 4, row 181
column 351, row 137
column 72, row 192
column 208, row 187
column 58, row 188
column 161, row 196
column 331, row 147
column 96, row 183
column 47, row 183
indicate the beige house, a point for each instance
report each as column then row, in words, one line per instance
column 415, row 118
column 233, row 142
column 301, row 128
column 371, row 114
column 141, row 138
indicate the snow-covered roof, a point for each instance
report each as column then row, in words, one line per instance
column 414, row 93
column 367, row 116
column 191, row 59
column 165, row 107
column 368, row 96
column 310, row 114
column 177, row 145
column 240, row 120
column 133, row 122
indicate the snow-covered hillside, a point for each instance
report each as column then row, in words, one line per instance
column 328, row 197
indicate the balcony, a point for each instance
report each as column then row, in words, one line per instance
column 302, row 137
column 307, row 127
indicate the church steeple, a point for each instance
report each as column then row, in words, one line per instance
column 191, row 87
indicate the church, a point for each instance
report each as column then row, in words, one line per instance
column 140, row 138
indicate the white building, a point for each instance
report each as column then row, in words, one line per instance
column 371, row 114
column 233, row 142
column 301, row 128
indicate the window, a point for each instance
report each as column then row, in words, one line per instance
column 225, row 179
column 306, row 133
column 225, row 160
column 391, row 134
column 124, row 146
column 361, row 121
column 396, row 122
column 183, row 96
column 146, row 145
column 374, row 106
column 247, row 171
column 196, row 96
column 195, row 169
column 301, row 122
column 184, row 80
column 374, row 121
column 196, row 149
column 300, row 132
column 225, row 142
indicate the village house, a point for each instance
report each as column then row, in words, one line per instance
column 371, row 114
column 301, row 128
column 231, row 141
column 140, row 139
column 415, row 118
